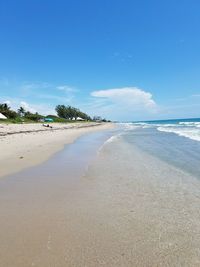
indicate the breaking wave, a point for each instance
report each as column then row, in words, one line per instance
column 189, row 132
column 186, row 128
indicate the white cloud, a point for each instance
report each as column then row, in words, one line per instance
column 43, row 109
column 47, row 91
column 27, row 107
column 127, row 103
column 30, row 88
column 131, row 96
column 8, row 102
column 35, row 85
column 60, row 99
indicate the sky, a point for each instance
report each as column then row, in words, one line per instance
column 123, row 60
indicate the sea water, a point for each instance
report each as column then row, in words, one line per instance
column 175, row 141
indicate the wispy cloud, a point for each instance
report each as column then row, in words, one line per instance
column 195, row 95
column 123, row 57
column 36, row 96
column 61, row 99
column 42, row 108
column 47, row 91
column 27, row 107
column 67, row 88
column 29, row 88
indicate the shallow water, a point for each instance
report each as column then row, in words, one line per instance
column 150, row 205
column 178, row 151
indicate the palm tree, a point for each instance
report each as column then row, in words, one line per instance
column 4, row 107
column 21, row 111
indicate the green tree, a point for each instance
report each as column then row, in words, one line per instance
column 97, row 118
column 61, row 111
column 33, row 117
column 21, row 111
column 69, row 112
column 6, row 111
column 4, row 108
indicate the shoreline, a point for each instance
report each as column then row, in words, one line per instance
column 127, row 208
column 27, row 145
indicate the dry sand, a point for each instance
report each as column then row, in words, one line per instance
column 26, row 145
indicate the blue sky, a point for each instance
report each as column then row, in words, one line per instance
column 123, row 60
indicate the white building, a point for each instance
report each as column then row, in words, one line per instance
column 2, row 117
column 78, row 119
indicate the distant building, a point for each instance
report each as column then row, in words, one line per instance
column 77, row 119
column 2, row 117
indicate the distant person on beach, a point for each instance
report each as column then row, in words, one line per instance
column 47, row 125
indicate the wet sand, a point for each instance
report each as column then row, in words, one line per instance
column 122, row 207
column 26, row 145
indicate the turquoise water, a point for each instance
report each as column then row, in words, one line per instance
column 171, row 121
column 176, row 142
column 189, row 128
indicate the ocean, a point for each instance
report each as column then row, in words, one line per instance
column 189, row 128
column 176, row 142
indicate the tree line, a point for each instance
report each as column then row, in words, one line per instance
column 69, row 113
column 63, row 113
column 20, row 113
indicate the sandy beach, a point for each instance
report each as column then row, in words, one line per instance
column 103, row 200
column 100, row 203
column 26, row 145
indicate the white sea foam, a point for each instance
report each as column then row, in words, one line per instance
column 190, row 123
column 112, row 139
column 128, row 126
column 136, row 125
column 189, row 129
column 189, row 132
